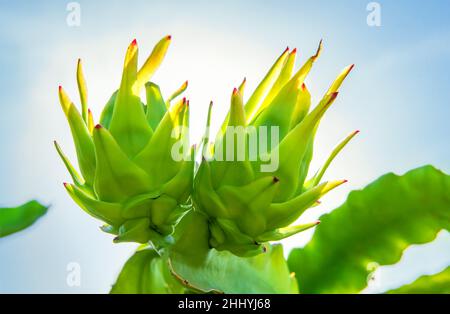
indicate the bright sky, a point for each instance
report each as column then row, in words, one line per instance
column 397, row 95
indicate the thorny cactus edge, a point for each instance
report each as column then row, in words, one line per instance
column 244, row 205
column 128, row 177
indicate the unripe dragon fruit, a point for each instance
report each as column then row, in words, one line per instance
column 246, row 202
column 129, row 178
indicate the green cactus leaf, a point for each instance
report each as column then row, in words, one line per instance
column 283, row 78
column 14, row 219
column 373, row 227
column 146, row 272
column 153, row 62
column 202, row 269
column 252, row 104
column 81, row 137
column 82, row 89
column 156, row 107
column 430, row 284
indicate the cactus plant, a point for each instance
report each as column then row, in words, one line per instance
column 248, row 204
column 128, row 176
column 210, row 234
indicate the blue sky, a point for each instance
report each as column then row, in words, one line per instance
column 397, row 96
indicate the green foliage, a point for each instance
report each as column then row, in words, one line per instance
column 146, row 272
column 373, row 227
column 14, row 219
column 429, row 284
column 207, row 270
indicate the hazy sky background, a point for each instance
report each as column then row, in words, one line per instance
column 398, row 96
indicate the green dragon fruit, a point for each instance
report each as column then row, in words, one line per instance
column 250, row 201
column 129, row 178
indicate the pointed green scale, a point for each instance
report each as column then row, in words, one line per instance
column 178, row 92
column 107, row 112
column 283, row 214
column 184, row 134
column 316, row 179
column 241, row 87
column 282, row 80
column 205, row 195
column 77, row 179
column 306, row 68
column 256, row 195
column 282, row 233
column 253, row 102
column 82, row 88
column 108, row 212
column 136, row 230
column 294, row 146
column 156, row 157
column 152, row 63
column 280, row 109
column 81, row 137
column 205, row 140
column 339, row 79
column 236, row 241
column 233, row 167
column 116, row 177
column 301, row 106
column 90, row 122
column 128, row 122
column 180, row 185
column 156, row 107
column 106, row 116
column 304, row 165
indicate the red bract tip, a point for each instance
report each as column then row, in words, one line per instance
column 235, row 90
column 351, row 67
column 334, row 95
column 294, row 51
column 344, row 181
column 98, row 126
column 356, row 132
column 65, row 184
column 303, row 87
column 318, row 222
column 287, row 49
column 134, row 42
column 59, row 87
column 187, row 103
column 184, row 100
column 169, row 37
